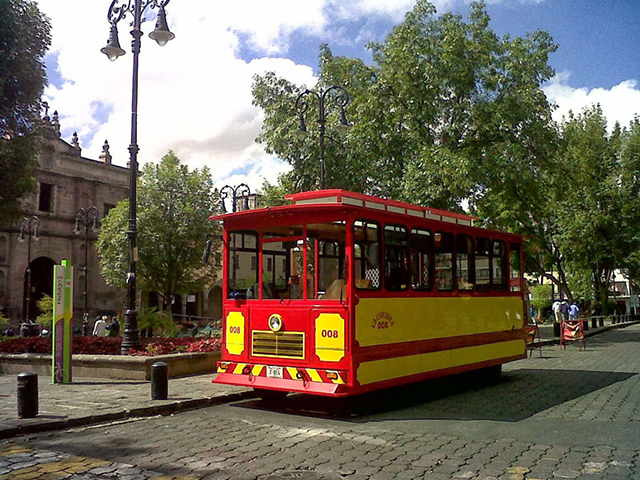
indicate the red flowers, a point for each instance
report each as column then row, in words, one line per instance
column 111, row 345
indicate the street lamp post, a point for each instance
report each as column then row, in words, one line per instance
column 240, row 191
column 32, row 228
column 89, row 218
column 117, row 11
column 302, row 105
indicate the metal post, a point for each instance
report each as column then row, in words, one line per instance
column 159, row 381
column 89, row 218
column 27, row 395
column 161, row 34
column 31, row 226
column 342, row 98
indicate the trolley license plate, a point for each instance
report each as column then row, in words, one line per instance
column 275, row 372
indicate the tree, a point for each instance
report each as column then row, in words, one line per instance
column 24, row 40
column 599, row 210
column 174, row 206
column 448, row 113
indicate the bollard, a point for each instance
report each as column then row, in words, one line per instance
column 556, row 329
column 159, row 381
column 27, row 395
column 594, row 322
column 601, row 321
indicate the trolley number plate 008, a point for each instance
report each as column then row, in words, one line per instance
column 275, row 372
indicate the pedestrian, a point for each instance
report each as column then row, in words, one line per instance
column 100, row 327
column 114, row 327
column 564, row 310
column 574, row 311
column 555, row 308
column 9, row 332
column 85, row 324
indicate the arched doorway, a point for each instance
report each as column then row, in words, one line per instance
column 41, row 284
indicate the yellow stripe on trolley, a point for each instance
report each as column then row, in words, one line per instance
column 257, row 370
column 239, row 367
column 293, row 372
column 380, row 370
column 339, row 380
column 314, row 375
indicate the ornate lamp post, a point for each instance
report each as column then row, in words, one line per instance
column 341, row 97
column 89, row 218
column 241, row 191
column 161, row 34
column 32, row 228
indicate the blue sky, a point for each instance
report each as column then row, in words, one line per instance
column 195, row 95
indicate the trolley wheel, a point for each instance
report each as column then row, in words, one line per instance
column 270, row 396
column 491, row 374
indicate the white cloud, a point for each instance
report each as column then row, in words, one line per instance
column 619, row 103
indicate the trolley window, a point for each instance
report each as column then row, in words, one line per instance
column 515, row 281
column 366, row 238
column 443, row 249
column 325, row 260
column 396, row 258
column 242, row 251
column 421, row 263
column 464, row 262
column 282, row 262
column 483, row 264
column 499, row 262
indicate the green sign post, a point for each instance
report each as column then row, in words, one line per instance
column 62, row 328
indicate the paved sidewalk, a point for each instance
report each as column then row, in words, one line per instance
column 88, row 401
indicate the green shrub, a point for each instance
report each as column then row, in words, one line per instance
column 45, row 305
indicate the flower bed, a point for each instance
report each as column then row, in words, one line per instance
column 111, row 345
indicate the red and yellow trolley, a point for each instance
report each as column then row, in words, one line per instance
column 341, row 293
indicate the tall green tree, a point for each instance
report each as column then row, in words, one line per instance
column 447, row 113
column 599, row 210
column 174, row 205
column 24, row 40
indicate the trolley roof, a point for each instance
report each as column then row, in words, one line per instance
column 338, row 197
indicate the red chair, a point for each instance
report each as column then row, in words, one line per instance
column 531, row 329
column 572, row 332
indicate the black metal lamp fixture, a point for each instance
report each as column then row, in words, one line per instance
column 89, row 218
column 241, row 191
column 117, row 11
column 341, row 98
column 29, row 228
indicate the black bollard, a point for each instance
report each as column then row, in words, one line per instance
column 159, row 381
column 556, row 329
column 594, row 322
column 27, row 395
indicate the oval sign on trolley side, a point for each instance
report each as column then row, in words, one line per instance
column 275, row 323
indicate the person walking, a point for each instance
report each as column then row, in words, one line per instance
column 100, row 327
column 574, row 310
column 114, row 327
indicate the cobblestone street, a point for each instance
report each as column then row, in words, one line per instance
column 569, row 414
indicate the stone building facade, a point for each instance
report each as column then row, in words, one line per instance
column 66, row 182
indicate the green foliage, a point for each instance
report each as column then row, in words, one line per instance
column 174, row 206
column 155, row 320
column 24, row 40
column 541, row 297
column 447, row 112
column 45, row 305
column 4, row 323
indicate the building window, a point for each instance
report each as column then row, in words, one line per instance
column 45, row 198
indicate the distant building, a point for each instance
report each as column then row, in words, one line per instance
column 66, row 181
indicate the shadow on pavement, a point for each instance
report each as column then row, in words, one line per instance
column 519, row 394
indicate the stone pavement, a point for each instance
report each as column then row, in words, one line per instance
column 89, row 401
column 569, row 414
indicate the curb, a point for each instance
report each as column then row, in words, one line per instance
column 166, row 409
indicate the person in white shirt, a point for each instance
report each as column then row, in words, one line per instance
column 100, row 327
column 555, row 308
